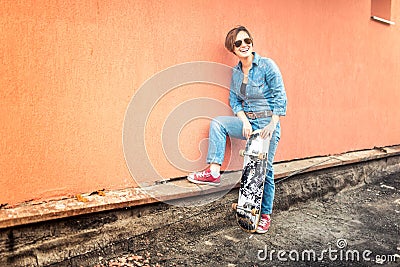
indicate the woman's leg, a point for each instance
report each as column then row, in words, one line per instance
column 220, row 128
column 269, row 184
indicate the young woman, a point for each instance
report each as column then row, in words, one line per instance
column 257, row 98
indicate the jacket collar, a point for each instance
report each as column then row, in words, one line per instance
column 256, row 60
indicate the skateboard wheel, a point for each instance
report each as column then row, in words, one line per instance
column 241, row 153
column 234, row 206
column 261, row 156
column 254, row 212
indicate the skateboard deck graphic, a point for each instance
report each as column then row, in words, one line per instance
column 248, row 208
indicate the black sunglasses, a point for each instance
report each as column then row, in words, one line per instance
column 238, row 43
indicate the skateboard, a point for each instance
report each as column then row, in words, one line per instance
column 248, row 208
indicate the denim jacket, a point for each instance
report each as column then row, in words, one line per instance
column 264, row 91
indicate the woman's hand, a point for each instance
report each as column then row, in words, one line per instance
column 268, row 130
column 247, row 129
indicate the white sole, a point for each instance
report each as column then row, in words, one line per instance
column 201, row 182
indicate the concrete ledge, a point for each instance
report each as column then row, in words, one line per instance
column 130, row 227
column 175, row 189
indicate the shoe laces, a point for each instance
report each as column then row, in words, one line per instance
column 264, row 221
column 201, row 174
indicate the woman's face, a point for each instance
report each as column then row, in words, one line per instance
column 246, row 45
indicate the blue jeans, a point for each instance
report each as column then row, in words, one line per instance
column 231, row 126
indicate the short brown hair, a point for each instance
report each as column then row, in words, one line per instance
column 231, row 37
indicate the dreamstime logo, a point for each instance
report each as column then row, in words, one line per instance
column 146, row 98
column 340, row 253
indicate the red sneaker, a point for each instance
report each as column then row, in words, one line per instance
column 204, row 177
column 264, row 224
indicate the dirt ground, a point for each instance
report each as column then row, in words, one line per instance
column 359, row 226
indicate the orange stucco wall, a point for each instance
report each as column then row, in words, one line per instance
column 70, row 68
